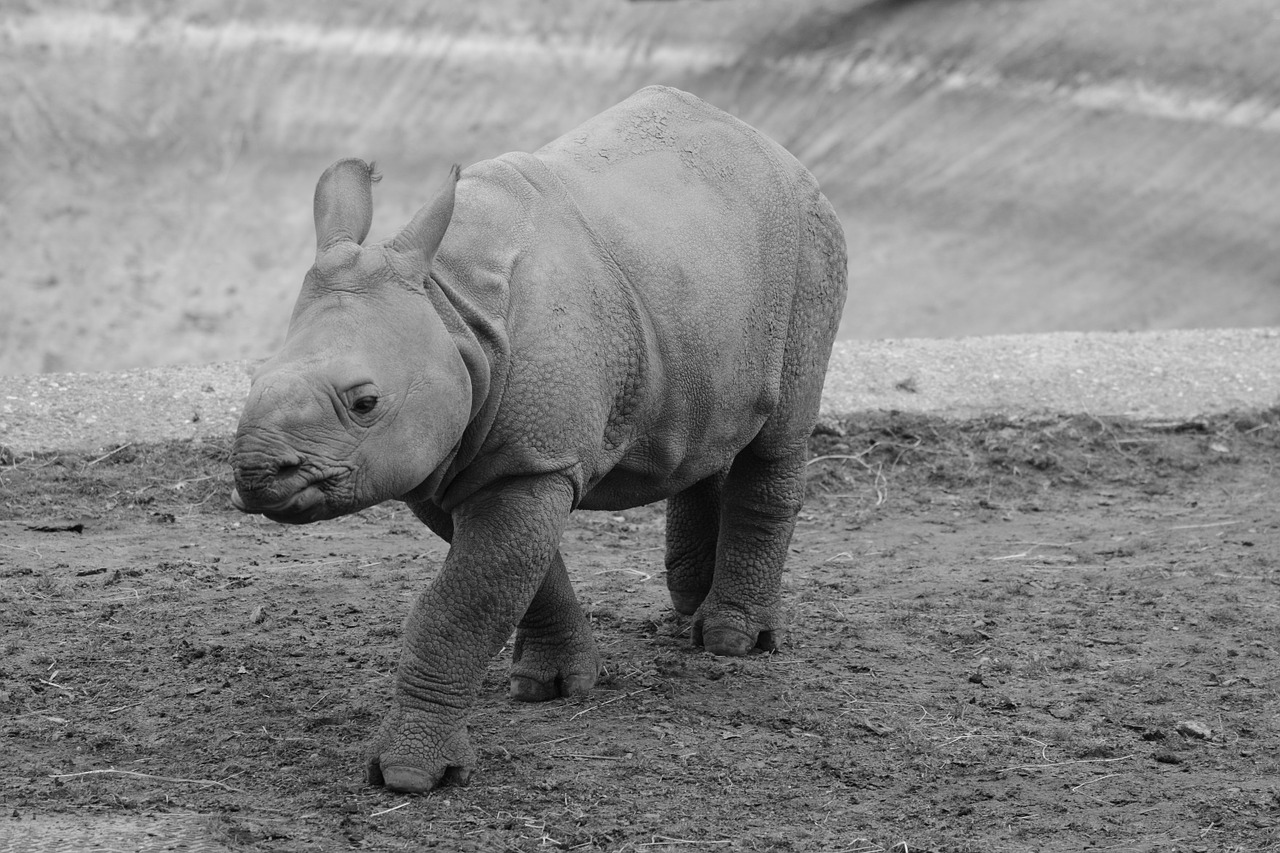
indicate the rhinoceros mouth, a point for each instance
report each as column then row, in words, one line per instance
column 308, row 502
column 300, row 508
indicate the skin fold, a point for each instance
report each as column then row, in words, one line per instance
column 643, row 309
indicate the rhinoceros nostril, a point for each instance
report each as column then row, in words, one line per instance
column 282, row 467
column 288, row 469
column 260, row 475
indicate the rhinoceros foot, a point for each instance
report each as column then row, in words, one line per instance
column 733, row 634
column 544, row 670
column 555, row 654
column 415, row 780
column 409, row 755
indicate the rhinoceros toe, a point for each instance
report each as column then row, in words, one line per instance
column 542, row 678
column 416, row 780
column 526, row 689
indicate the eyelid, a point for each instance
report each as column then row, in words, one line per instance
column 355, row 392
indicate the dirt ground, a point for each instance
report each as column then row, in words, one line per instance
column 1005, row 635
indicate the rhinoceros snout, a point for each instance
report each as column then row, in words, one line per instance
column 283, row 485
column 264, row 479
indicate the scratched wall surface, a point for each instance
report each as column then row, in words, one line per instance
column 1000, row 166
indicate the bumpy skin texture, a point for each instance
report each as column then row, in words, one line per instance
column 642, row 309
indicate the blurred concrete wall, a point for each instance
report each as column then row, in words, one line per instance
column 1000, row 166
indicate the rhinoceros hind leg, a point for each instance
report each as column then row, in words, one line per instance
column 761, row 499
column 693, row 526
column 555, row 653
column 765, row 486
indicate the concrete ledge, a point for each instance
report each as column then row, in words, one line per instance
column 1143, row 375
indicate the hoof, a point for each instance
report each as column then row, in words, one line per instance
column 578, row 685
column 414, row 780
column 525, row 689
column 730, row 642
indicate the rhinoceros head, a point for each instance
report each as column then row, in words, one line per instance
column 369, row 394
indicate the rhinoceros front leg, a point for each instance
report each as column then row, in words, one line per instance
column 555, row 653
column 759, row 504
column 693, row 527
column 503, row 543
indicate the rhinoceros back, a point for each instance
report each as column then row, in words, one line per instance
column 698, row 210
column 670, row 278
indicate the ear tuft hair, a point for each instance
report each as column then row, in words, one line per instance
column 374, row 174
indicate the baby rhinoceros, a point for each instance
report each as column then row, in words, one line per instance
column 642, row 309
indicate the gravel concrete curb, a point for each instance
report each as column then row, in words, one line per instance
column 1164, row 375
column 1170, row 375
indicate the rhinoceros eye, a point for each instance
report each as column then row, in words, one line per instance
column 364, row 405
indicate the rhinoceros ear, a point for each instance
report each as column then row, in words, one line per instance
column 344, row 203
column 424, row 232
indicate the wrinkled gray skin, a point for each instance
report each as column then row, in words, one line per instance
column 642, row 309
